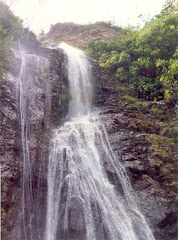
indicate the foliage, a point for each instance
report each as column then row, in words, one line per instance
column 10, row 28
column 172, row 132
column 145, row 176
column 146, row 59
column 146, row 126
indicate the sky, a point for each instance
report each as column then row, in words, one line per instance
column 40, row 14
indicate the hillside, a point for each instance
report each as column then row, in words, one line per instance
column 134, row 84
column 79, row 35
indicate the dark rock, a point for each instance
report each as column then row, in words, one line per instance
column 150, row 164
column 45, row 75
column 149, row 161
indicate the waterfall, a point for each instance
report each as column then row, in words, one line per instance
column 27, row 199
column 30, row 88
column 82, row 202
column 79, row 81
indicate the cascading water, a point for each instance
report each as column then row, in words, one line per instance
column 31, row 115
column 27, row 199
column 82, row 203
column 79, row 81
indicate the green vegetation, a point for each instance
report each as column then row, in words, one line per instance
column 171, row 132
column 10, row 28
column 162, row 146
column 144, row 60
column 145, row 176
column 146, row 126
column 2, row 210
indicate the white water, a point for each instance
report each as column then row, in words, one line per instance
column 76, row 174
column 26, row 169
column 30, row 64
column 79, row 81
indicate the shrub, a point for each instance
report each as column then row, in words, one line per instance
column 10, row 28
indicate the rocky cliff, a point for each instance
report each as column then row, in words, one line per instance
column 45, row 99
column 137, row 137
column 135, row 134
column 78, row 35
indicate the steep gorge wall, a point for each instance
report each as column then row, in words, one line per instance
column 149, row 157
column 47, row 96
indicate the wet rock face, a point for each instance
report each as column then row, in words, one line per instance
column 47, row 96
column 45, row 99
column 59, row 88
column 36, row 109
column 143, row 156
column 155, row 201
column 9, row 155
